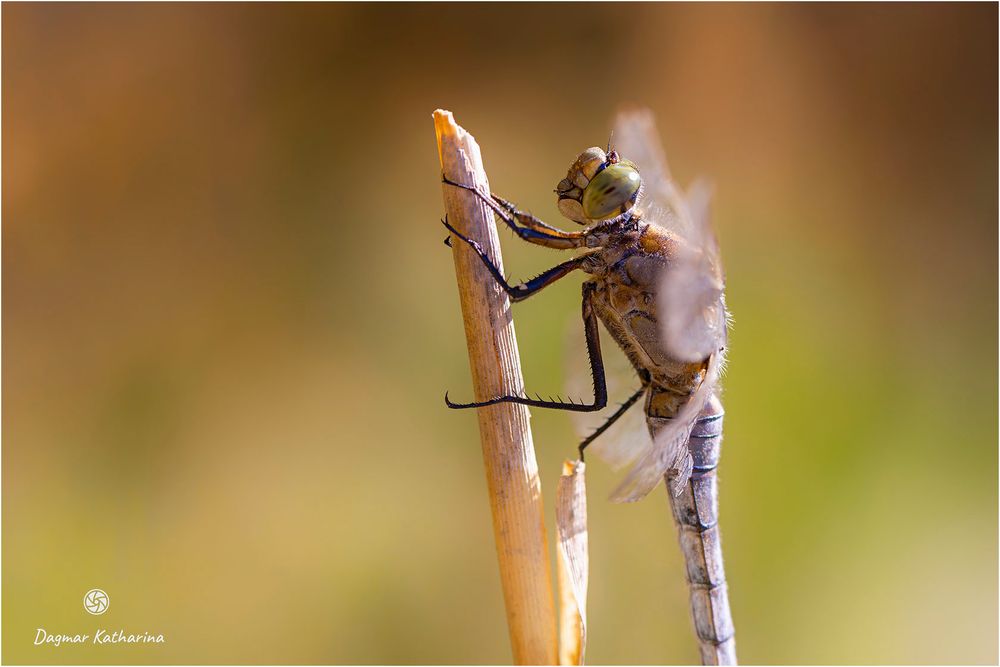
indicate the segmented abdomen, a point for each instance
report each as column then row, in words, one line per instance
column 696, row 514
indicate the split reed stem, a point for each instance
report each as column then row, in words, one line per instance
column 509, row 455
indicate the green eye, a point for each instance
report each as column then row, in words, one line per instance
column 610, row 190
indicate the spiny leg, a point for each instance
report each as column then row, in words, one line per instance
column 523, row 217
column 539, row 234
column 596, row 370
column 622, row 409
column 529, row 220
column 524, row 290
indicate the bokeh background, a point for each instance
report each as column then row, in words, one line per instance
column 229, row 322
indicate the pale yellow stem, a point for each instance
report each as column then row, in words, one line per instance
column 508, row 452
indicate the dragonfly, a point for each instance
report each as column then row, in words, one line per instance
column 656, row 283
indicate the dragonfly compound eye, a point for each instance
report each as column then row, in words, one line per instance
column 611, row 192
column 570, row 189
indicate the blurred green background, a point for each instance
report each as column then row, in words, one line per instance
column 229, row 322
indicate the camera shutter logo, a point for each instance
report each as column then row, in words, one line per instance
column 96, row 601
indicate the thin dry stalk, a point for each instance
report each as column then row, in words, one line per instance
column 572, row 563
column 508, row 452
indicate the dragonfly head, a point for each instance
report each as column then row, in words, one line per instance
column 598, row 186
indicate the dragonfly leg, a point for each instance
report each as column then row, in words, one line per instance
column 535, row 231
column 528, row 220
column 524, row 290
column 622, row 409
column 596, row 371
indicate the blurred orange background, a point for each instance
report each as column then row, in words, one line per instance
column 229, row 322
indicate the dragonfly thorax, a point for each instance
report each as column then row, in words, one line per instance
column 598, row 187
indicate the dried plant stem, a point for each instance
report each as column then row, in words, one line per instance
column 572, row 563
column 508, row 452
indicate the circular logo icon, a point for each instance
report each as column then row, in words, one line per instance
column 96, row 601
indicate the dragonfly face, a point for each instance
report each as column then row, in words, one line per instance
column 598, row 187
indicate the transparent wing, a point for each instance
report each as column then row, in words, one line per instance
column 669, row 454
column 636, row 139
column 628, row 440
column 690, row 300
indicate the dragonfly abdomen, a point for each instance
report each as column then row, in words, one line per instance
column 696, row 513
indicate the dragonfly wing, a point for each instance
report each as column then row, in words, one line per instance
column 669, row 453
column 663, row 203
column 636, row 139
column 690, row 298
column 628, row 440
column 691, row 294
